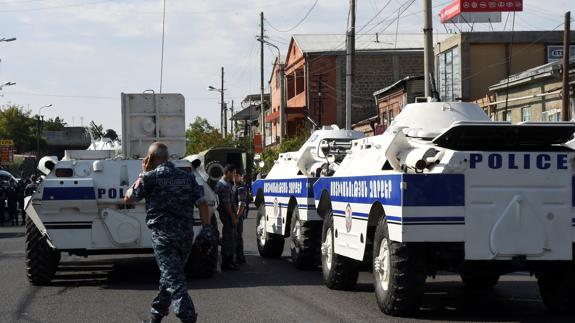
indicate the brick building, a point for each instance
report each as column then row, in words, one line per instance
column 390, row 101
column 315, row 76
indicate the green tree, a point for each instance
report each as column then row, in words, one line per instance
column 55, row 124
column 270, row 154
column 18, row 125
column 201, row 135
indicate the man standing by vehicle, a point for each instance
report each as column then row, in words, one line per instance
column 228, row 212
column 241, row 197
column 170, row 195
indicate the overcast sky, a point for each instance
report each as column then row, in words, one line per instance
column 79, row 55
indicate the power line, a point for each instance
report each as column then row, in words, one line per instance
column 296, row 25
column 58, row 7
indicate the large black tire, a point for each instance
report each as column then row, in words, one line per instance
column 41, row 260
column 269, row 245
column 478, row 280
column 304, row 242
column 202, row 265
column 399, row 274
column 557, row 288
column 339, row 272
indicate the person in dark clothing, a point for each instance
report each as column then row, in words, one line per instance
column 170, row 194
column 31, row 187
column 241, row 199
column 13, row 203
column 21, row 188
column 2, row 205
column 228, row 210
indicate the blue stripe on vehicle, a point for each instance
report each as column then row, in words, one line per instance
column 395, row 190
column 300, row 206
column 434, row 190
column 361, row 189
column 409, row 220
column 68, row 193
column 298, row 187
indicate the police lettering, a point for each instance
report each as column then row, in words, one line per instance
column 375, row 189
column 519, row 161
column 111, row 193
column 283, row 187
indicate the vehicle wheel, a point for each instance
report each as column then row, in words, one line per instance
column 269, row 245
column 479, row 280
column 41, row 260
column 339, row 272
column 399, row 274
column 303, row 243
column 557, row 288
column 202, row 265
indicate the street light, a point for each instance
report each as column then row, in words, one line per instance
column 39, row 129
column 7, row 39
column 282, row 90
column 223, row 122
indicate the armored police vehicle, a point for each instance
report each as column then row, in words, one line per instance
column 79, row 207
column 447, row 189
column 285, row 198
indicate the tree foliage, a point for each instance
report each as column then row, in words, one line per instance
column 201, row 135
column 18, row 125
column 270, row 154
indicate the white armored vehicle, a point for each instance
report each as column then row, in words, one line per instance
column 285, row 197
column 447, row 189
column 79, row 207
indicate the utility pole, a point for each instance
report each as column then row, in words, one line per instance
column 262, row 112
column 565, row 113
column 320, row 101
column 428, row 47
column 223, row 125
column 349, row 65
column 283, row 120
column 233, row 121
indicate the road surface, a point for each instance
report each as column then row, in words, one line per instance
column 120, row 288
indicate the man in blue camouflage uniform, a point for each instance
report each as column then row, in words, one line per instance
column 170, row 195
column 227, row 209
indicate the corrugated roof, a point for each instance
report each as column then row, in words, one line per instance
column 314, row 43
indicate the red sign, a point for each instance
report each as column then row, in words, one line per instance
column 462, row 6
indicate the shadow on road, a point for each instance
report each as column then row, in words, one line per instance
column 10, row 235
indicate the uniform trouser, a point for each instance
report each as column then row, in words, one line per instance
column 240, row 239
column 172, row 256
column 228, row 239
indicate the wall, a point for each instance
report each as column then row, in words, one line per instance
column 488, row 65
column 373, row 72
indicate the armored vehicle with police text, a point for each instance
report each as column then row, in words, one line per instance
column 285, row 198
column 79, row 207
column 447, row 189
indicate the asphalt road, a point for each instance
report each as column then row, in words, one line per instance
column 120, row 288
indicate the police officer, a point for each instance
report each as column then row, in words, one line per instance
column 170, row 195
column 228, row 212
column 241, row 197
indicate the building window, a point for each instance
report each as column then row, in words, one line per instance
column 449, row 75
column 526, row 114
column 384, row 120
column 506, row 116
column 552, row 115
column 390, row 116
